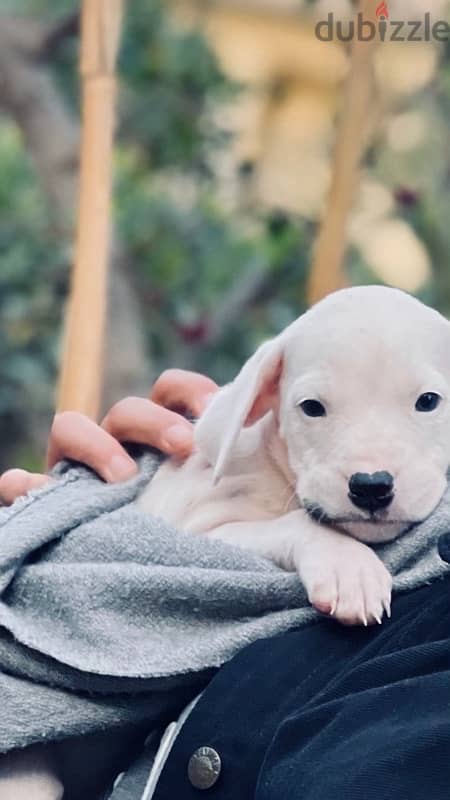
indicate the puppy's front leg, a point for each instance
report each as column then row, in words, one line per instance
column 342, row 576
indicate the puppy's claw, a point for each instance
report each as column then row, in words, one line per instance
column 333, row 608
column 378, row 619
column 387, row 607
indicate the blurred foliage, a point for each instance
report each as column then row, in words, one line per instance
column 167, row 80
column 187, row 251
column 31, row 262
column 183, row 255
column 189, row 258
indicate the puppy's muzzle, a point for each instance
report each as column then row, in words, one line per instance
column 371, row 491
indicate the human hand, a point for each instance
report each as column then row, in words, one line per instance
column 156, row 421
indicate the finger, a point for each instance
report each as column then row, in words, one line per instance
column 136, row 419
column 17, row 482
column 77, row 437
column 182, row 390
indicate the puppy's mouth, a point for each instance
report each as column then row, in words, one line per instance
column 378, row 517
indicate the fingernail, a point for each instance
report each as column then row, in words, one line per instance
column 120, row 468
column 177, row 439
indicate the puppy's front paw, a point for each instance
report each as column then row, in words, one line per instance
column 345, row 579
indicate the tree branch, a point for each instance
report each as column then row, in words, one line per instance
column 327, row 270
column 66, row 28
column 254, row 286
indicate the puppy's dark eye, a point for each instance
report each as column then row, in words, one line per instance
column 312, row 408
column 428, row 401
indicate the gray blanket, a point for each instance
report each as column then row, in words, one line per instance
column 112, row 618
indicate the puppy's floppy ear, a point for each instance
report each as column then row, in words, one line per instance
column 248, row 398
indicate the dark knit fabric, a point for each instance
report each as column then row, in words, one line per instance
column 330, row 713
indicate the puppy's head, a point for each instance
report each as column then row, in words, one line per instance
column 360, row 386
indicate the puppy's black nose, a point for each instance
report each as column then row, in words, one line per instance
column 371, row 491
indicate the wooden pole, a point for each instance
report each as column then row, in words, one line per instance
column 82, row 368
column 327, row 271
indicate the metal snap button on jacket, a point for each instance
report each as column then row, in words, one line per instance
column 204, row 768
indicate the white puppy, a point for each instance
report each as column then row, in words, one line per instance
column 335, row 433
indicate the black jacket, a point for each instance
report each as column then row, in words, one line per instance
column 329, row 713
